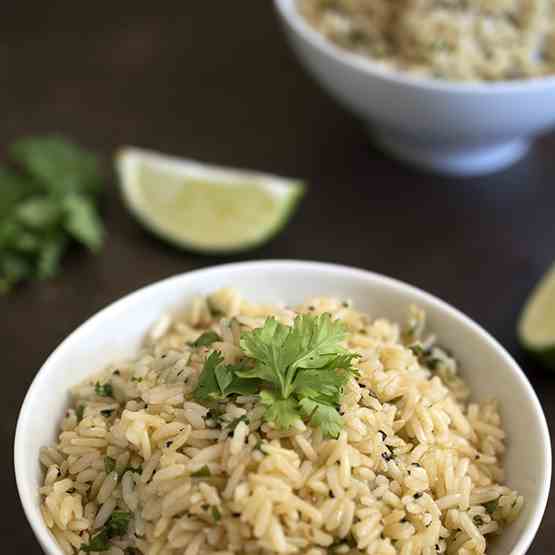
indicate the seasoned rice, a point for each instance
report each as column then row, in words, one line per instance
column 460, row 40
column 417, row 468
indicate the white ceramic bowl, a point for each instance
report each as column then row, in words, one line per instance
column 452, row 128
column 117, row 331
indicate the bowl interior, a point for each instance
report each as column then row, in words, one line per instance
column 288, row 10
column 117, row 331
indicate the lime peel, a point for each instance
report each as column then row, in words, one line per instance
column 536, row 328
column 205, row 208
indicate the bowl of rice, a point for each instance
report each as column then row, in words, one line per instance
column 455, row 87
column 282, row 407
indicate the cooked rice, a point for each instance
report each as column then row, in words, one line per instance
column 484, row 40
column 417, row 469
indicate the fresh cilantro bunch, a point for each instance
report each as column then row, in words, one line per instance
column 298, row 372
column 47, row 199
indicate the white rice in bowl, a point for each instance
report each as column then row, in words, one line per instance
column 141, row 467
column 458, row 40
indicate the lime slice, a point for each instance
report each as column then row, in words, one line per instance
column 202, row 207
column 536, row 329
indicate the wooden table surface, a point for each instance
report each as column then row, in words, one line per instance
column 221, row 85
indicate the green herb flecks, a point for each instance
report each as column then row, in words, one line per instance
column 298, row 372
column 118, row 523
column 205, row 340
column 215, row 311
column 216, row 415
column 99, row 542
column 233, row 424
column 216, row 515
column 109, row 464
column 491, row 506
column 104, row 390
column 79, row 411
column 47, row 199
column 129, row 468
column 440, row 44
column 116, row 526
column 203, row 472
column 425, row 357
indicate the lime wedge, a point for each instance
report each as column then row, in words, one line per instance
column 536, row 329
column 202, row 207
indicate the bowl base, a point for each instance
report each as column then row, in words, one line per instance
column 454, row 161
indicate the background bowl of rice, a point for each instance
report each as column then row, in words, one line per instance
column 450, row 127
column 117, row 331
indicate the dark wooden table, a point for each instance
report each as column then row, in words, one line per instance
column 218, row 83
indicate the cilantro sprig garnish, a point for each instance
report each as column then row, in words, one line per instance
column 298, row 371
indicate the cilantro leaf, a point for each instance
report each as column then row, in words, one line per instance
column 39, row 212
column 241, row 386
column 282, row 412
column 81, row 221
column 207, row 387
column 79, row 411
column 298, row 371
column 109, row 464
column 491, row 506
column 100, row 542
column 104, row 390
column 51, row 251
column 118, row 523
column 223, row 377
column 219, row 380
column 11, row 232
column 343, row 361
column 205, row 340
column 44, row 205
column 312, row 342
column 327, row 383
column 13, row 189
column 203, row 472
column 58, row 165
column 233, row 424
column 321, row 415
column 267, row 346
column 13, row 268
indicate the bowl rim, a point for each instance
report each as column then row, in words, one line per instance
column 28, row 497
column 290, row 14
